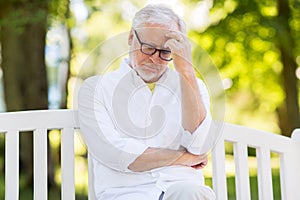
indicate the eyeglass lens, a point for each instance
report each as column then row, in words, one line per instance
column 150, row 50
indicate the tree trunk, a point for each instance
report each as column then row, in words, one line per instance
column 24, row 72
column 290, row 82
column 64, row 82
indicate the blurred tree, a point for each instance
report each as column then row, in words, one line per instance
column 24, row 24
column 255, row 43
column 287, row 43
column 23, row 30
column 61, row 16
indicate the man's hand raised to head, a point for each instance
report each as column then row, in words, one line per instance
column 181, row 51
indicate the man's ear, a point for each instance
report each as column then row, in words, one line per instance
column 130, row 37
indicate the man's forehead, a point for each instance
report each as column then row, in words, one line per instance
column 155, row 37
column 164, row 28
column 155, row 34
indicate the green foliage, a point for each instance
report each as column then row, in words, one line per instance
column 59, row 9
column 20, row 13
column 242, row 40
column 59, row 12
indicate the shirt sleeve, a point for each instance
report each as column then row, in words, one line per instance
column 104, row 142
column 202, row 139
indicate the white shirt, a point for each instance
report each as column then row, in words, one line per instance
column 120, row 118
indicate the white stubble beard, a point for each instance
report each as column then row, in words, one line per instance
column 146, row 76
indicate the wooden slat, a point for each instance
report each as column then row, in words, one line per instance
column 289, row 169
column 296, row 135
column 91, row 192
column 284, row 173
column 264, row 174
column 67, row 164
column 255, row 138
column 12, row 165
column 242, row 171
column 40, row 164
column 290, row 175
column 50, row 119
column 219, row 171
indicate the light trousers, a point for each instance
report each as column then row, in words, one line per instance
column 185, row 190
column 188, row 190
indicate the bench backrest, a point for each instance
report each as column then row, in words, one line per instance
column 264, row 143
column 40, row 122
column 11, row 124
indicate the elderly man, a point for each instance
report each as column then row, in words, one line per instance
column 145, row 124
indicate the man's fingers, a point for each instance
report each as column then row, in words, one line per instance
column 173, row 44
column 179, row 37
column 203, row 160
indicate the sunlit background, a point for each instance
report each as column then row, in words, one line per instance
column 241, row 43
column 254, row 47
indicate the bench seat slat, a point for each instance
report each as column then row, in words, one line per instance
column 219, row 171
column 289, row 170
column 67, row 164
column 264, row 171
column 40, row 164
column 289, row 175
column 12, row 165
column 242, row 171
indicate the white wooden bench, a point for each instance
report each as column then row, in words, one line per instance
column 12, row 123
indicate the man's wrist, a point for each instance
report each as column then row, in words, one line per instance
column 187, row 73
column 181, row 158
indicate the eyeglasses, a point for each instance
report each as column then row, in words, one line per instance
column 150, row 50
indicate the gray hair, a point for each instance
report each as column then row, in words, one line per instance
column 157, row 14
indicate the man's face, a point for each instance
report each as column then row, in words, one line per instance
column 149, row 67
